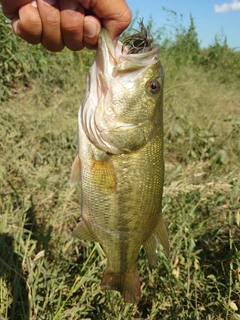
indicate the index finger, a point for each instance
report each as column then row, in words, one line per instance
column 115, row 15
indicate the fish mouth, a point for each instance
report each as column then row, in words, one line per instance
column 113, row 56
column 112, row 60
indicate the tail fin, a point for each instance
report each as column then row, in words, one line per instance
column 128, row 284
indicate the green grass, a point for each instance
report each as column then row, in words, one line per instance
column 47, row 274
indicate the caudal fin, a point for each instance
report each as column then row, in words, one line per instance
column 128, row 284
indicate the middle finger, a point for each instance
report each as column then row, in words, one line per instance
column 51, row 24
column 72, row 15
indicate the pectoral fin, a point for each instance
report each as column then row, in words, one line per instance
column 103, row 176
column 75, row 176
column 159, row 235
column 82, row 232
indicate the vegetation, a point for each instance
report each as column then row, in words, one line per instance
column 47, row 274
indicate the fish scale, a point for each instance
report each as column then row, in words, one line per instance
column 120, row 162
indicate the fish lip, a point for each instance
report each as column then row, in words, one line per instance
column 106, row 53
column 111, row 53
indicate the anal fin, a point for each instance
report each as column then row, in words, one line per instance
column 82, row 232
column 128, row 284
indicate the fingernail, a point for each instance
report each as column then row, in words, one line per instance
column 15, row 24
column 89, row 29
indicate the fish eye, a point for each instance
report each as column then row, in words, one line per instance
column 153, row 86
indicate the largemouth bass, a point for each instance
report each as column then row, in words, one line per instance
column 120, row 161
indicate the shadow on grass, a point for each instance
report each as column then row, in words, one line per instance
column 11, row 270
column 37, row 228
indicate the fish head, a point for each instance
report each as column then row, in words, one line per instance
column 122, row 109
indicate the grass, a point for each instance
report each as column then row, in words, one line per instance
column 47, row 274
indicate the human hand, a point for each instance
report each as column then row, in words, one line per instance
column 72, row 23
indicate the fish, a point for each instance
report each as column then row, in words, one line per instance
column 119, row 164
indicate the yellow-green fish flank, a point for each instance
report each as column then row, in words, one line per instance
column 120, row 161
